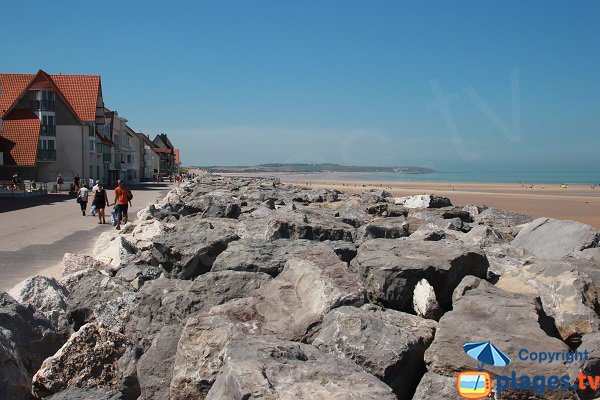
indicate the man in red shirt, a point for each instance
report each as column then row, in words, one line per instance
column 123, row 198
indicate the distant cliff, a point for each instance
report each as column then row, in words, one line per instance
column 279, row 167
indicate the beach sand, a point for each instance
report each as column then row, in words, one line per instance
column 577, row 202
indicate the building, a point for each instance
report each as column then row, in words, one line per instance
column 150, row 159
column 52, row 124
column 169, row 162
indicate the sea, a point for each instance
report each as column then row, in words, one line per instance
column 587, row 178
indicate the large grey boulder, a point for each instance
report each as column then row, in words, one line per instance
column 510, row 321
column 358, row 334
column 216, row 204
column 155, row 367
column 26, row 339
column 88, row 289
column 552, row 238
column 423, row 201
column 317, row 195
column 306, row 224
column 290, row 370
column 88, row 360
column 390, row 269
column 72, row 263
column 434, row 386
column 499, row 218
column 76, row 393
column 254, row 255
column 567, row 294
column 383, row 228
column 191, row 248
column 164, row 302
column 290, row 306
column 47, row 296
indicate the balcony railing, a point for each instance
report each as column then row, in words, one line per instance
column 46, row 155
column 48, row 130
column 43, row 105
column 107, row 157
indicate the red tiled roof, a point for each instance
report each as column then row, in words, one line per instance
column 81, row 91
column 11, row 87
column 161, row 150
column 176, row 151
column 19, row 138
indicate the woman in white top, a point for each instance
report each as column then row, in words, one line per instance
column 82, row 198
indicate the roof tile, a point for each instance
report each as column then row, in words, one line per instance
column 81, row 91
column 19, row 138
column 11, row 87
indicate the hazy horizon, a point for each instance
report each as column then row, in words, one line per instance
column 450, row 86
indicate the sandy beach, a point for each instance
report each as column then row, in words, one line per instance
column 576, row 202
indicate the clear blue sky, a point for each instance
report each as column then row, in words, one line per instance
column 352, row 82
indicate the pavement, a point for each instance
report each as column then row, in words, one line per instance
column 35, row 232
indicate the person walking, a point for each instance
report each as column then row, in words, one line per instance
column 82, row 196
column 94, row 190
column 100, row 202
column 59, row 182
column 76, row 181
column 122, row 202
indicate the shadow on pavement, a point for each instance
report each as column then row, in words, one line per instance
column 18, row 203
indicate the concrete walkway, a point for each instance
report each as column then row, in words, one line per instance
column 35, row 234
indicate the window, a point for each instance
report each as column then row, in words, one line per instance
column 129, row 158
column 48, row 95
column 91, row 131
column 48, row 120
column 92, row 145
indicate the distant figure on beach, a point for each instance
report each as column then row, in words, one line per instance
column 59, row 182
column 82, row 198
column 122, row 202
column 100, row 202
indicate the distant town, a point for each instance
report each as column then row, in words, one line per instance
column 323, row 167
column 54, row 125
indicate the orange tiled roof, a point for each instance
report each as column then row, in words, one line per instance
column 19, row 138
column 11, row 87
column 176, row 151
column 81, row 91
column 161, row 150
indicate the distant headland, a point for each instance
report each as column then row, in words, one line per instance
column 324, row 167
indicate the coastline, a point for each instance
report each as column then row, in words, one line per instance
column 577, row 202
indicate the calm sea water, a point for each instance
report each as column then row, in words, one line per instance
column 490, row 177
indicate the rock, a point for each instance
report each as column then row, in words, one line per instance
column 290, row 370
column 390, row 269
column 192, row 247
column 424, row 301
column 352, row 212
column 26, row 339
column 552, row 239
column 590, row 347
column 113, row 249
column 434, row 386
column 87, row 289
column 592, row 254
column 423, row 201
column 76, row 393
column 483, row 236
column 47, row 296
column 87, row 360
column 155, row 367
column 216, row 204
column 469, row 282
column 375, row 196
column 568, row 295
column 306, row 224
column 253, row 255
column 425, row 219
column 499, row 218
column 127, row 378
column 164, row 302
column 430, row 234
column 386, row 343
column 510, row 321
column 317, row 196
column 388, row 228
column 72, row 263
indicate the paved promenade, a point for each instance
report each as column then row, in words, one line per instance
column 36, row 232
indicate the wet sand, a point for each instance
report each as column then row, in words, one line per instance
column 577, row 202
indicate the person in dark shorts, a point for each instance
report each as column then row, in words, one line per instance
column 82, row 198
column 100, row 202
column 123, row 198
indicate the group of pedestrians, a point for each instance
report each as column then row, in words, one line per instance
column 100, row 201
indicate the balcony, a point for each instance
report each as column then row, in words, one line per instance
column 107, row 157
column 46, row 155
column 48, row 130
column 43, row 105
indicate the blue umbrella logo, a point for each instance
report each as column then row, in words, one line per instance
column 486, row 353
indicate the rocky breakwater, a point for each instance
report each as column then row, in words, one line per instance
column 239, row 288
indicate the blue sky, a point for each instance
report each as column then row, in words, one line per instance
column 353, row 82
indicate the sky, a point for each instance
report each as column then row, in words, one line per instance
column 457, row 86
